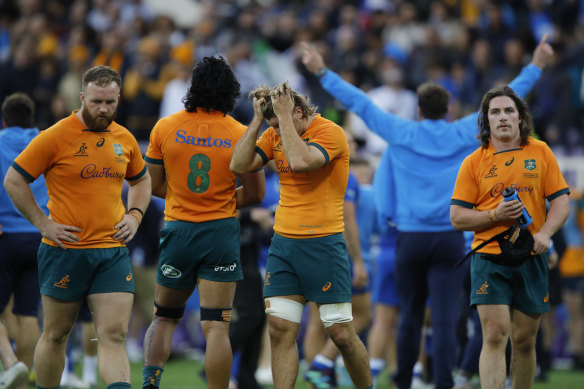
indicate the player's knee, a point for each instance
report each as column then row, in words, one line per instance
column 168, row 313
column 335, row 313
column 216, row 314
column 284, row 308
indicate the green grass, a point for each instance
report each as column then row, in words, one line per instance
column 184, row 374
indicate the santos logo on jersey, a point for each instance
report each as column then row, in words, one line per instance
column 182, row 137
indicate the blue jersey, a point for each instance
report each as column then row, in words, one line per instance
column 424, row 156
column 367, row 219
column 12, row 141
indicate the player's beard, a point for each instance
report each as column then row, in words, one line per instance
column 96, row 123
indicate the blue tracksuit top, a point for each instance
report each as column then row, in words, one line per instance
column 12, row 141
column 423, row 157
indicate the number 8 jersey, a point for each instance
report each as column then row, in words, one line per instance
column 195, row 149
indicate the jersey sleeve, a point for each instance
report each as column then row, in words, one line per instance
column 154, row 151
column 265, row 144
column 331, row 141
column 38, row 156
column 555, row 184
column 466, row 190
column 136, row 167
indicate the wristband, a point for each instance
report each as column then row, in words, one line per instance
column 136, row 209
column 139, row 218
column 321, row 72
column 492, row 215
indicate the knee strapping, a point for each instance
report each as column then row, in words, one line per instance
column 170, row 313
column 284, row 308
column 335, row 313
column 216, row 314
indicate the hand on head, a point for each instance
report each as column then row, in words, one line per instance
column 282, row 101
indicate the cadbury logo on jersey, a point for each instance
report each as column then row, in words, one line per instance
column 92, row 171
column 182, row 137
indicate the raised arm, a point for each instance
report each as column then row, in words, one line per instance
column 244, row 158
column 542, row 57
column 354, row 99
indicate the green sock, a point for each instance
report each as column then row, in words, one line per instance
column 151, row 376
column 119, row 385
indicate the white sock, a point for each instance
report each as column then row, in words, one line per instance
column 377, row 363
column 319, row 358
column 90, row 368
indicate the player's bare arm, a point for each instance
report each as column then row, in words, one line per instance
column 244, row 158
column 138, row 199
column 300, row 156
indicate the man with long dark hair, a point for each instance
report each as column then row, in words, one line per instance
column 510, row 293
column 188, row 159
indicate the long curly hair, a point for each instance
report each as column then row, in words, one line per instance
column 213, row 87
column 525, row 126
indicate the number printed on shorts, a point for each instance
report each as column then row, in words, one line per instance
column 198, row 178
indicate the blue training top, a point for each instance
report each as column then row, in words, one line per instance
column 423, row 156
column 12, row 141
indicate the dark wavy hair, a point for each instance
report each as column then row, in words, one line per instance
column 213, row 87
column 525, row 127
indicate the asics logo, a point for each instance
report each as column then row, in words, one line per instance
column 326, row 286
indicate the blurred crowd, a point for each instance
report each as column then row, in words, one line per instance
column 467, row 46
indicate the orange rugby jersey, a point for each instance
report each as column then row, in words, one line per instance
column 195, row 149
column 311, row 203
column 84, row 171
column 532, row 170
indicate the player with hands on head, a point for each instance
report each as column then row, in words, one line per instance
column 307, row 259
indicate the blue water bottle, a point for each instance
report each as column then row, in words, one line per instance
column 511, row 194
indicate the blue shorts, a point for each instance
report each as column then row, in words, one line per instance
column 19, row 272
column 316, row 268
column 73, row 274
column 384, row 290
column 573, row 284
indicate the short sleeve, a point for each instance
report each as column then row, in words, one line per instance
column 555, row 184
column 466, row 190
column 136, row 167
column 332, row 141
column 265, row 145
column 38, row 156
column 154, row 151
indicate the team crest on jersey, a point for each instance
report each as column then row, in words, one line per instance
column 278, row 147
column 530, row 164
column 118, row 149
column 82, row 152
column 492, row 172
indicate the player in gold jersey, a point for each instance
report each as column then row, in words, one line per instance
column 510, row 295
column 188, row 158
column 85, row 159
column 308, row 259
